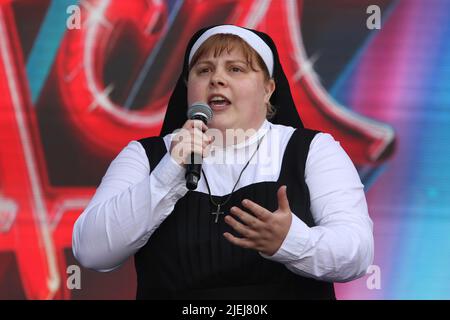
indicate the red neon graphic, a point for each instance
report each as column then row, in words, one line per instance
column 36, row 218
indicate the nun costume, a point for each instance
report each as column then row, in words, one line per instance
column 143, row 208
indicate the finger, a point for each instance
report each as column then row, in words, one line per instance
column 245, row 217
column 204, row 127
column 197, row 140
column 191, row 123
column 203, row 145
column 260, row 212
column 211, row 138
column 206, row 140
column 199, row 137
column 207, row 151
column 283, row 202
column 188, row 124
column 239, row 227
column 196, row 132
column 183, row 134
column 200, row 125
column 243, row 243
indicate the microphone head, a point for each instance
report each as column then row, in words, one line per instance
column 200, row 109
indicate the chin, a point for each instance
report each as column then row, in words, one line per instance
column 222, row 125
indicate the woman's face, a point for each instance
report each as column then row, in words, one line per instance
column 235, row 92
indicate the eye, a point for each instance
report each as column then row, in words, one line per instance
column 203, row 70
column 236, row 69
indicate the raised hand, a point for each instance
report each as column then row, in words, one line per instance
column 263, row 231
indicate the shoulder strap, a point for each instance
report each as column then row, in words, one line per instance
column 297, row 150
column 155, row 150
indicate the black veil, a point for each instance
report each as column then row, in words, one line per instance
column 286, row 111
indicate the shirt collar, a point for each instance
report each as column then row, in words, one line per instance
column 262, row 130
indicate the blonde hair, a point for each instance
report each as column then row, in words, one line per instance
column 218, row 43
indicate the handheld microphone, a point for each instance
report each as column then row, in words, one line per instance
column 197, row 111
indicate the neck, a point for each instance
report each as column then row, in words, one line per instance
column 230, row 137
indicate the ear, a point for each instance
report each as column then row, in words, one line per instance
column 269, row 88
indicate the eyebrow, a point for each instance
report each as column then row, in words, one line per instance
column 227, row 61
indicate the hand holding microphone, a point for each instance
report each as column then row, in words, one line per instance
column 191, row 144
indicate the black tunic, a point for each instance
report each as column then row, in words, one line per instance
column 187, row 257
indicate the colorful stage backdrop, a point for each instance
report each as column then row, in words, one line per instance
column 80, row 79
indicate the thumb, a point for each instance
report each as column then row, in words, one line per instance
column 283, row 202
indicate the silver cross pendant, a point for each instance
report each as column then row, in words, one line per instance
column 217, row 213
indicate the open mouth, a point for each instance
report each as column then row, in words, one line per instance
column 218, row 102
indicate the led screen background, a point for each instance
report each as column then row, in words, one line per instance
column 71, row 99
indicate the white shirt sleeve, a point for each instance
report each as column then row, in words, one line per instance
column 340, row 247
column 127, row 207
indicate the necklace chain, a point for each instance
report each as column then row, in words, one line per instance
column 218, row 205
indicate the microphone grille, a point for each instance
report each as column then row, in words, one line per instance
column 200, row 108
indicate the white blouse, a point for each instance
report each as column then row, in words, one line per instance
column 130, row 204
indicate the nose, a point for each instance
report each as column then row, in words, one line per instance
column 217, row 79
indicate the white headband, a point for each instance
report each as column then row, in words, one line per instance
column 251, row 38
